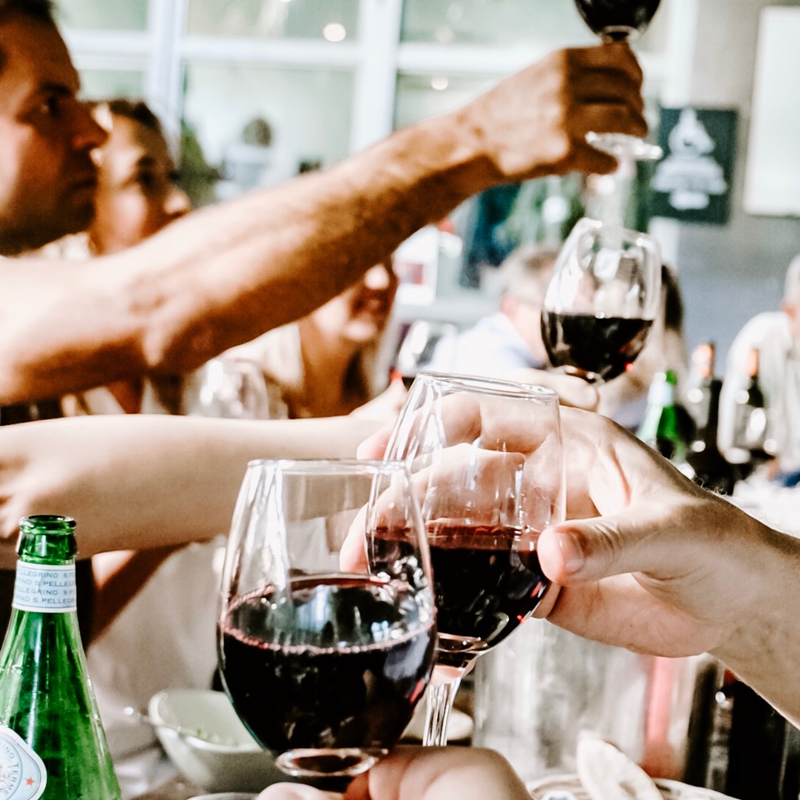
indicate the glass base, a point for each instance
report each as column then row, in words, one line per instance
column 623, row 146
column 328, row 762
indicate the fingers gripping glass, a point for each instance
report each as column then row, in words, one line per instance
column 324, row 664
column 488, row 456
column 601, row 301
column 620, row 21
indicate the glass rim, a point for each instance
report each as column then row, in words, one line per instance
column 495, row 386
column 330, row 466
column 597, row 224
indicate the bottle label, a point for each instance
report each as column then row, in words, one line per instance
column 22, row 773
column 41, row 587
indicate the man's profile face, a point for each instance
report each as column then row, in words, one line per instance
column 47, row 177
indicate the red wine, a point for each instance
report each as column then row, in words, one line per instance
column 293, row 683
column 593, row 347
column 487, row 581
column 613, row 17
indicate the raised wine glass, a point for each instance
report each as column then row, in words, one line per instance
column 620, row 21
column 489, row 453
column 602, row 300
column 230, row 388
column 425, row 339
column 324, row 665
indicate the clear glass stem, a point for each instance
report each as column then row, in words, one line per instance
column 437, row 713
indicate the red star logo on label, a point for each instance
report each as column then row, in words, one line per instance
column 30, row 781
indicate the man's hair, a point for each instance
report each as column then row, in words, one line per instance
column 137, row 110
column 39, row 10
column 42, row 10
column 526, row 272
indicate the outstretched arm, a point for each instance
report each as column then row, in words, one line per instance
column 669, row 568
column 225, row 274
column 134, row 482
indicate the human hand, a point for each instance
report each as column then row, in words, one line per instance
column 648, row 560
column 429, row 773
column 535, row 122
column 571, row 391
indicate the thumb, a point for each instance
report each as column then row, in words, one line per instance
column 592, row 549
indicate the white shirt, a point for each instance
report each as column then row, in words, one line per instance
column 492, row 348
column 779, row 376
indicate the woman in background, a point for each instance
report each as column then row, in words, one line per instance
column 329, row 363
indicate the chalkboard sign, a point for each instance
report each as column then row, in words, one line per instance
column 693, row 180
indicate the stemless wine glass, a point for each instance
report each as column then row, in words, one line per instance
column 602, row 300
column 323, row 665
column 489, row 455
column 620, row 21
column 425, row 340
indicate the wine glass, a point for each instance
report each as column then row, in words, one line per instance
column 230, row 388
column 489, row 454
column 620, row 21
column 602, row 300
column 325, row 665
column 424, row 341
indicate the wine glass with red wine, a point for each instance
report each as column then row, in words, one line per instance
column 620, row 21
column 323, row 664
column 426, row 341
column 489, row 455
column 601, row 301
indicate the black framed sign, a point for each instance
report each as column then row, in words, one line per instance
column 693, row 180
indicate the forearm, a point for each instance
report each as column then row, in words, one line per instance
column 148, row 481
column 225, row 274
column 765, row 650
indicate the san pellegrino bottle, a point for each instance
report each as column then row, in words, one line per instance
column 52, row 744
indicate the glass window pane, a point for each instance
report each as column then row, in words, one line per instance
column 275, row 19
column 105, row 84
column 117, row 15
column 423, row 96
column 262, row 125
column 508, row 23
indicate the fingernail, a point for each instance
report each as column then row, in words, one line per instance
column 572, row 553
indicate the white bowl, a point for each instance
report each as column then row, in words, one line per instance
column 218, row 754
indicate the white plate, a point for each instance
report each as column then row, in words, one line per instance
column 568, row 787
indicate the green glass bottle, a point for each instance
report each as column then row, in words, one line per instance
column 661, row 427
column 50, row 731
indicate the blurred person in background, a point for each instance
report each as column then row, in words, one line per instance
column 328, row 363
column 624, row 399
column 511, row 338
column 775, row 335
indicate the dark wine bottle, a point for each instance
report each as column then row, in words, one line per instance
column 750, row 416
column 709, row 467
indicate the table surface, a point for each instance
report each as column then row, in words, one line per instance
column 176, row 789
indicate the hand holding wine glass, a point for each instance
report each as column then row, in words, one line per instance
column 602, row 300
column 325, row 665
column 620, row 21
column 486, row 456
